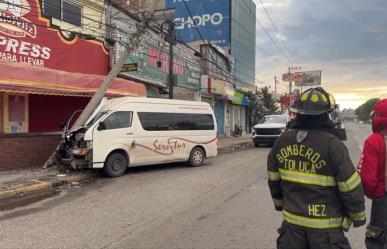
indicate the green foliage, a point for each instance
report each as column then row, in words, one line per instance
column 363, row 111
column 261, row 104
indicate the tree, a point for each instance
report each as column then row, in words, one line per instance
column 363, row 111
column 261, row 104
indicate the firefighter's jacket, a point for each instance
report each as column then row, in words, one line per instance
column 313, row 181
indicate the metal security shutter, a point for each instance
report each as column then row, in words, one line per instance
column 45, row 111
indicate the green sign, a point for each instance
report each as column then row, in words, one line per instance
column 238, row 98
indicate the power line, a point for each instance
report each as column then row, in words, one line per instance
column 278, row 33
column 253, row 15
column 272, row 40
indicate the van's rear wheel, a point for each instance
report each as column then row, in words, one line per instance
column 115, row 165
column 196, row 157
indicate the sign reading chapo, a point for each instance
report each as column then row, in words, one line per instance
column 28, row 37
column 211, row 18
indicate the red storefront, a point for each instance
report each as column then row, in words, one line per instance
column 44, row 78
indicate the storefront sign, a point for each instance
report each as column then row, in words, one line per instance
column 240, row 99
column 132, row 67
column 217, row 86
column 153, row 65
column 26, row 36
column 229, row 90
column 211, row 18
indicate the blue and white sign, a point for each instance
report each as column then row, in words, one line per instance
column 211, row 17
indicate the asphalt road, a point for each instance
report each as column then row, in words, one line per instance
column 224, row 204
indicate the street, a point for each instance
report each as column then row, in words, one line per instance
column 223, row 204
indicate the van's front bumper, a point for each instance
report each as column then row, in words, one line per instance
column 80, row 152
column 79, row 158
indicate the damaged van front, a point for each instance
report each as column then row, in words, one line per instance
column 77, row 149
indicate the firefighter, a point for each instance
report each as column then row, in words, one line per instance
column 372, row 169
column 313, row 181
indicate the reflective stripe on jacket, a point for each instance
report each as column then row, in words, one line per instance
column 314, row 182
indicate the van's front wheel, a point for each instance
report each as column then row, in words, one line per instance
column 115, row 165
column 196, row 157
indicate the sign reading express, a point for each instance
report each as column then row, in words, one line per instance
column 26, row 36
column 212, row 18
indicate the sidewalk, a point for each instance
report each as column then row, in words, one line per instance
column 229, row 144
column 17, row 186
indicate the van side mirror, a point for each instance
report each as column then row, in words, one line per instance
column 62, row 124
column 101, row 126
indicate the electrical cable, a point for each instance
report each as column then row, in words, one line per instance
column 278, row 33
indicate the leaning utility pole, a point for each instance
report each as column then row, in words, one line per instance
column 96, row 99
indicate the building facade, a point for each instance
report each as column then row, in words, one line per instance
column 230, row 26
column 152, row 58
column 52, row 59
column 243, row 32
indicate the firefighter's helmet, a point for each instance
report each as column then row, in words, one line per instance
column 314, row 101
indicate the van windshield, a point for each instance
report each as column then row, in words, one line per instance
column 96, row 117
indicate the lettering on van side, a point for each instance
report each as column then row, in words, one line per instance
column 170, row 147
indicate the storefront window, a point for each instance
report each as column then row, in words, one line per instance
column 63, row 10
column 1, row 114
column 16, row 113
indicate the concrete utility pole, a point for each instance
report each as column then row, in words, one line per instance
column 96, row 99
column 172, row 41
column 275, row 84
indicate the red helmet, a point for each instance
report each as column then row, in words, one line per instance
column 379, row 116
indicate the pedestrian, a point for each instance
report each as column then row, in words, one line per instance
column 312, row 179
column 372, row 169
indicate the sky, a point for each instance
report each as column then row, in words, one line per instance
column 346, row 39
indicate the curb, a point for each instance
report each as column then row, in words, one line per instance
column 235, row 147
column 10, row 197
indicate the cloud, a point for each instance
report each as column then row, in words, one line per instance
column 345, row 39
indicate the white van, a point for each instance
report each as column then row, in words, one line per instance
column 132, row 131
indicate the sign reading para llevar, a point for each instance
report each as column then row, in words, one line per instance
column 27, row 36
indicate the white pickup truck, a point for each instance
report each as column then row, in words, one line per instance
column 269, row 129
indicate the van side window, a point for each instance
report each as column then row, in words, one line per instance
column 118, row 120
column 155, row 121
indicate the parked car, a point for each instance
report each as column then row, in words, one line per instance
column 133, row 131
column 269, row 129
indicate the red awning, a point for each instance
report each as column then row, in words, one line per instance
column 23, row 78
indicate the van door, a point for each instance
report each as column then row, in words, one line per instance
column 114, row 132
